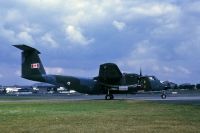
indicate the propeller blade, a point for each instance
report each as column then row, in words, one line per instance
column 140, row 72
column 140, row 78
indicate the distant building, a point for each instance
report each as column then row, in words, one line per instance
column 45, row 88
column 16, row 89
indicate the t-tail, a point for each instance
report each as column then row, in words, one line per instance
column 32, row 67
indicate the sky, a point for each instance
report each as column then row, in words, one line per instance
column 76, row 36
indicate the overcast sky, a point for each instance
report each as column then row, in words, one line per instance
column 76, row 36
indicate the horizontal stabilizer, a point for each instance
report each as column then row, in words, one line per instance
column 26, row 48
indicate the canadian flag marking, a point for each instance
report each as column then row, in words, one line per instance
column 35, row 65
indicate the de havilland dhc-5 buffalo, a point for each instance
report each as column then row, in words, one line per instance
column 109, row 81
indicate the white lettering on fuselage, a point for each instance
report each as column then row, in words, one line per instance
column 123, row 88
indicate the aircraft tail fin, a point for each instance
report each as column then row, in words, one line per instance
column 32, row 67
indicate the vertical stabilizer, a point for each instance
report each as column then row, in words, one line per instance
column 32, row 67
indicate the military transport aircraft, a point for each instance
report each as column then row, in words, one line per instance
column 109, row 81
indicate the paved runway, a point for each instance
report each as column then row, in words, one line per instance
column 178, row 98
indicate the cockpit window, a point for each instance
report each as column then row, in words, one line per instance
column 152, row 78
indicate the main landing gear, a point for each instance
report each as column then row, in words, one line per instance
column 163, row 95
column 109, row 96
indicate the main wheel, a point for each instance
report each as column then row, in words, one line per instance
column 163, row 96
column 109, row 97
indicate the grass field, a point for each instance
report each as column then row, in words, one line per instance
column 118, row 116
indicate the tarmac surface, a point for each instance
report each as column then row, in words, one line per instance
column 193, row 98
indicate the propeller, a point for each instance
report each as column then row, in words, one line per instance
column 140, row 72
column 140, row 78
